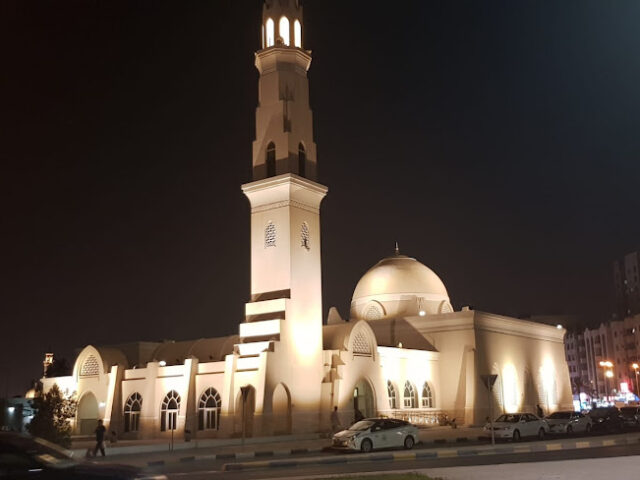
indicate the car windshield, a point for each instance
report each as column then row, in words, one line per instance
column 49, row 453
column 560, row 416
column 361, row 426
column 508, row 418
column 600, row 412
column 44, row 452
column 629, row 411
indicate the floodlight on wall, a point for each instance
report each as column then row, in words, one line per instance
column 609, row 373
column 11, row 409
column 162, row 363
column 559, row 326
column 421, row 311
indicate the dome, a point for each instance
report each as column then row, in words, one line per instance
column 399, row 286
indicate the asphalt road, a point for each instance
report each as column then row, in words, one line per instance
column 207, row 470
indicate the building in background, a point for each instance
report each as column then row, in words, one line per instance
column 589, row 351
column 626, row 280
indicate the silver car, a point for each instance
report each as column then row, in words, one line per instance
column 371, row 433
column 569, row 422
column 514, row 426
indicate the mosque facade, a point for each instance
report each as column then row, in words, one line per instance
column 404, row 352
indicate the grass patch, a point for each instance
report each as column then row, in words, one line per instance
column 377, row 476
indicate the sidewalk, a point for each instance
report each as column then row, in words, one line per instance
column 231, row 448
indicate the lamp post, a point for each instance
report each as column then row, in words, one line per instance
column 635, row 367
column 607, row 374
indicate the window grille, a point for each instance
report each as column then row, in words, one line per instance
column 209, row 410
column 409, row 395
column 305, row 240
column 169, row 411
column 90, row 367
column 372, row 313
column 427, row 396
column 132, row 413
column 393, row 395
column 270, row 235
column 361, row 345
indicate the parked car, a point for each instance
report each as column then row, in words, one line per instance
column 514, row 426
column 569, row 422
column 23, row 456
column 606, row 419
column 631, row 416
column 371, row 433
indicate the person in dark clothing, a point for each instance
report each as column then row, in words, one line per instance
column 358, row 415
column 539, row 411
column 99, row 439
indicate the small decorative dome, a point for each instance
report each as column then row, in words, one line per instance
column 399, row 286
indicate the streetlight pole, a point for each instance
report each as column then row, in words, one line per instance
column 607, row 374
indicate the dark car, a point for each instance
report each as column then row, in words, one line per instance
column 606, row 419
column 23, row 456
column 631, row 416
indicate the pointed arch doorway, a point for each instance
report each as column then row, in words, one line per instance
column 363, row 399
column 87, row 414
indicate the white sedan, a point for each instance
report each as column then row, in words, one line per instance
column 569, row 422
column 517, row 425
column 371, row 433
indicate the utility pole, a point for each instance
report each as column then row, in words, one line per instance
column 489, row 381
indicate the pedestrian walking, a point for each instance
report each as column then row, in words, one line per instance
column 99, row 439
column 358, row 415
column 539, row 411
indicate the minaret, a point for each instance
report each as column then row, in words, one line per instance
column 284, row 125
column 284, row 316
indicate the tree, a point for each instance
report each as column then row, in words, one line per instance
column 51, row 422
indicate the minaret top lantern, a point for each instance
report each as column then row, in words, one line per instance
column 282, row 23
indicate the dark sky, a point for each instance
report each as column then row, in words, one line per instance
column 496, row 141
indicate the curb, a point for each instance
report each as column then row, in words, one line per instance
column 431, row 454
column 237, row 456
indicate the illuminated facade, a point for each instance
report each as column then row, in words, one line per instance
column 405, row 352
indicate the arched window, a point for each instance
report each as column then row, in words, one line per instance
column 169, row 411
column 132, row 413
column 302, row 160
column 90, row 367
column 270, row 33
column 270, row 235
column 305, row 238
column 271, row 159
column 409, row 395
column 209, row 410
column 393, row 395
column 283, row 30
column 297, row 34
column 427, row 396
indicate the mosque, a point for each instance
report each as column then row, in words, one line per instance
column 404, row 352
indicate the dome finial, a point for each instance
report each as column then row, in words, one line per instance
column 397, row 249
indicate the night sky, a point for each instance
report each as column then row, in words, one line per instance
column 496, row 141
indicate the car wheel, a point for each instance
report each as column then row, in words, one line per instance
column 541, row 434
column 409, row 442
column 569, row 429
column 516, row 435
column 588, row 428
column 366, row 446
